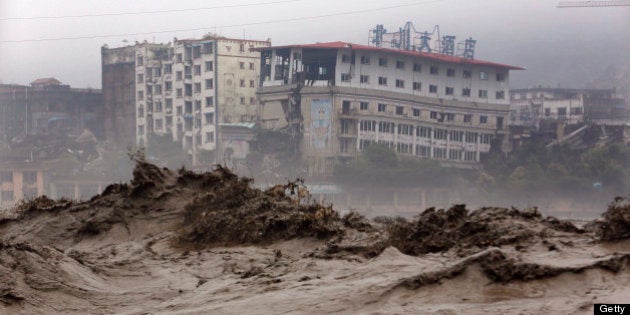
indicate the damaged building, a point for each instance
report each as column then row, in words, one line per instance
column 184, row 89
column 337, row 98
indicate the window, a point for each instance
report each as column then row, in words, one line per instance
column 382, row 81
column 433, row 88
column 30, row 177
column 178, row 57
column 365, row 60
column 500, row 77
column 483, row 94
column 387, row 127
column 158, row 124
column 439, row 153
column 158, row 106
column 433, row 115
column 483, row 119
column 209, row 66
column 140, row 112
column 500, row 95
column 400, row 64
column 242, row 83
column 197, row 105
column 179, row 93
column 188, row 107
column 449, row 90
column 209, row 118
column 434, row 70
column 242, row 101
column 450, row 116
column 197, row 70
column 483, row 75
column 403, row 148
column 140, row 61
column 197, row 87
column 363, row 144
column 149, row 89
column 364, row 105
column 454, row 154
column 365, row 78
column 399, row 110
column 187, row 72
column 179, row 110
column 6, row 177
column 416, row 112
column 486, row 138
column 467, row 74
column 382, row 62
column 417, row 86
column 197, row 123
column 209, row 137
column 470, row 156
column 140, row 95
column 576, row 110
column 168, row 68
column 423, row 132
column 450, row 72
column 562, row 111
column 422, row 150
column 252, row 101
column 7, row 195
column 457, row 136
column 209, row 84
column 209, row 101
column 207, row 48
column 168, row 86
column 251, row 83
column 345, row 77
column 345, row 58
column 465, row 92
column 141, row 130
column 417, row 67
column 140, row 78
column 241, row 65
column 196, row 51
column 367, row 125
column 471, row 137
column 381, row 107
column 241, row 48
column 404, row 129
column 251, row 66
column 440, row 134
column 169, row 103
column 467, row 118
column 400, row 83
column 547, row 112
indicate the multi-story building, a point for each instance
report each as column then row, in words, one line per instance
column 186, row 88
column 337, row 98
column 529, row 107
column 46, row 105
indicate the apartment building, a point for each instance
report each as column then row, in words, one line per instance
column 20, row 180
column 185, row 89
column 338, row 98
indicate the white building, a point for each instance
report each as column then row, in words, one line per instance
column 186, row 88
column 340, row 97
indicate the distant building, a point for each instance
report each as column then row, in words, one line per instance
column 337, row 98
column 48, row 105
column 528, row 107
column 182, row 89
column 20, row 181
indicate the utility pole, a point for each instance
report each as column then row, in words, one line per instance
column 583, row 4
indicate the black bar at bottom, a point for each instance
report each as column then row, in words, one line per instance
column 611, row 309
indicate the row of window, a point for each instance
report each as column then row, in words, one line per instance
column 417, row 67
column 28, row 177
column 425, row 151
column 440, row 117
column 417, row 86
column 424, row 132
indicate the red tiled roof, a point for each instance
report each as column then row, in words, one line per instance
column 433, row 56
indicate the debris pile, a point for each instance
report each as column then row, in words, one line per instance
column 615, row 222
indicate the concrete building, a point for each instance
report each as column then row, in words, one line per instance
column 528, row 107
column 48, row 105
column 20, row 181
column 184, row 89
column 337, row 98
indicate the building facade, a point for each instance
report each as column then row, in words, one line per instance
column 528, row 107
column 48, row 105
column 184, row 90
column 337, row 98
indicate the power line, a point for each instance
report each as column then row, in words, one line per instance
column 147, row 12
column 224, row 26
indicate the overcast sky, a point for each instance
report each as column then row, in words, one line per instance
column 566, row 47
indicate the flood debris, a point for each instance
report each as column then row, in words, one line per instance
column 615, row 222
